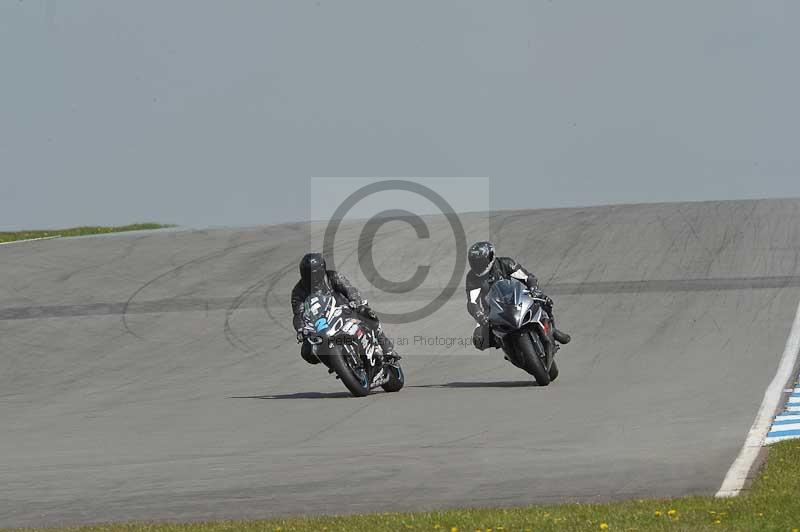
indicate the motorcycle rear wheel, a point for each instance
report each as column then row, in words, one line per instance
column 529, row 351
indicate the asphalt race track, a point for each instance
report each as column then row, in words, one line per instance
column 155, row 376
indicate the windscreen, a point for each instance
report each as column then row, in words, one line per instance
column 506, row 292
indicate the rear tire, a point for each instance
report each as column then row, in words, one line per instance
column 553, row 373
column 356, row 386
column 529, row 352
column 396, row 380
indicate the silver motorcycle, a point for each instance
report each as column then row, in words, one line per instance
column 523, row 328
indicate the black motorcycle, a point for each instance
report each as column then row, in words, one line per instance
column 523, row 328
column 348, row 346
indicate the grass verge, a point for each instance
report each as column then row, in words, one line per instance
column 77, row 231
column 772, row 504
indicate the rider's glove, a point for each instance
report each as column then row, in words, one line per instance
column 538, row 294
column 300, row 336
column 367, row 311
column 481, row 318
column 364, row 309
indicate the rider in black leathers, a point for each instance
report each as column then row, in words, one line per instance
column 485, row 270
column 314, row 277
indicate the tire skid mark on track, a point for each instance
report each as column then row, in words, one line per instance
column 231, row 337
column 317, row 433
column 447, row 443
column 172, row 271
column 201, row 304
column 276, row 278
column 120, row 256
column 270, row 281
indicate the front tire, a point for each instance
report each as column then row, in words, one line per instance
column 530, row 354
column 359, row 387
column 396, row 379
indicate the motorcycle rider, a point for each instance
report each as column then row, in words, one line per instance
column 315, row 277
column 485, row 270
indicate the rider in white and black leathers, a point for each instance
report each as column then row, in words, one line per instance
column 314, row 277
column 485, row 270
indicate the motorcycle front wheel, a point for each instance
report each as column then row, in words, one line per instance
column 531, row 355
column 354, row 377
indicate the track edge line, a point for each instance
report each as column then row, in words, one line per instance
column 29, row 240
column 737, row 475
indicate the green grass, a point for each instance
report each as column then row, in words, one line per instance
column 77, row 231
column 772, row 503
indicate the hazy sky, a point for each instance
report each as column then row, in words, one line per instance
column 219, row 113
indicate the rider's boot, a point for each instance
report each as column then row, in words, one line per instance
column 387, row 346
column 308, row 354
column 561, row 337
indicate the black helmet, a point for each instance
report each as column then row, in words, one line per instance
column 481, row 258
column 312, row 272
